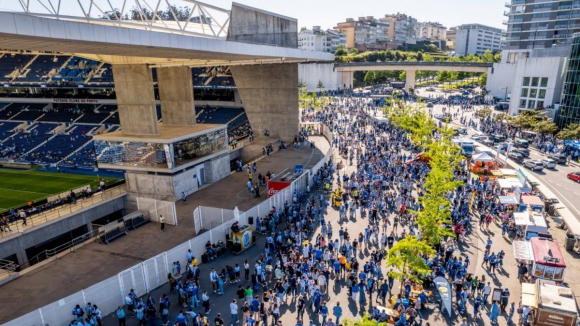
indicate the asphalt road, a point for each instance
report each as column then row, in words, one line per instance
column 556, row 179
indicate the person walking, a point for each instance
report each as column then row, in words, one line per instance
column 205, row 302
column 494, row 312
column 337, row 312
column 234, row 312
column 162, row 222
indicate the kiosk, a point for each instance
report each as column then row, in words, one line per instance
column 532, row 224
column 242, row 238
column 548, row 260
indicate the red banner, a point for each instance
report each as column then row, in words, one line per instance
column 276, row 186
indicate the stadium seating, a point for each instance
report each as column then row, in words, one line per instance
column 17, row 146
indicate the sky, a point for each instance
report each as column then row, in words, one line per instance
column 326, row 13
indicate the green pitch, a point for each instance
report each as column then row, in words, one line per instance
column 17, row 187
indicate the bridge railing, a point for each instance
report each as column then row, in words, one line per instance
column 416, row 63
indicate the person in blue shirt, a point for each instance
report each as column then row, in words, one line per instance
column 361, row 288
column 121, row 316
column 337, row 312
column 324, row 313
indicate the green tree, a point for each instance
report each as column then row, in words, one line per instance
column 303, row 28
column 484, row 112
column 527, row 119
column 320, row 86
column 353, row 51
column 340, row 51
column 483, row 79
column 487, row 56
column 407, row 257
column 545, row 127
column 571, row 132
column 403, row 75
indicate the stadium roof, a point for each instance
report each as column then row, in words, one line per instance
column 113, row 37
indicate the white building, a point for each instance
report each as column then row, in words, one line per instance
column 530, row 83
column 477, row 38
column 316, row 39
column 402, row 28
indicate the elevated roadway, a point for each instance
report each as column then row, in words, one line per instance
column 347, row 69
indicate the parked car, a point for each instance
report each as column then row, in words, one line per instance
column 521, row 143
column 498, row 138
column 549, row 163
column 462, row 131
column 430, row 89
column 499, row 148
column 534, row 165
column 487, row 142
column 429, row 105
column 574, row 176
column 522, row 151
column 516, row 157
column 559, row 158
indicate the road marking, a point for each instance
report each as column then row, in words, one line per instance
column 576, row 193
column 566, row 188
column 559, row 185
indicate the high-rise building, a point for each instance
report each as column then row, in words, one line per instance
column 534, row 24
column 477, row 38
column 365, row 30
column 570, row 101
column 316, row 39
column 402, row 28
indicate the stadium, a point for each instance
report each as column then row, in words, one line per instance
column 114, row 122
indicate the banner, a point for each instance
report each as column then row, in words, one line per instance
column 276, row 186
column 444, row 288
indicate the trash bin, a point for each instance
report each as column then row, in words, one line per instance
column 570, row 241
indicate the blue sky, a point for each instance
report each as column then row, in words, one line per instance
column 326, row 13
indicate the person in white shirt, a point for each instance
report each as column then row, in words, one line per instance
column 234, row 312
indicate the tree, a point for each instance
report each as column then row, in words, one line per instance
column 353, row 51
column 527, row 119
column 340, row 51
column 501, row 117
column 407, row 257
column 483, row 79
column 571, row 132
column 484, row 112
column 545, row 127
column 303, row 28
column 320, row 86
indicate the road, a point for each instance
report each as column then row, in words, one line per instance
column 567, row 190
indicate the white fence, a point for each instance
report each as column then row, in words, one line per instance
column 158, row 207
column 152, row 273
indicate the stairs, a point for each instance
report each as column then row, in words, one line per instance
column 38, row 146
column 237, row 116
column 200, row 112
column 93, row 73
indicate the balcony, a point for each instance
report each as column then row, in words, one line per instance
column 565, row 7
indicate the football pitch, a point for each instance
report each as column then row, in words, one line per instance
column 17, row 188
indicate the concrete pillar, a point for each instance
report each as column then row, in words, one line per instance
column 410, row 81
column 176, row 95
column 347, row 78
column 135, row 98
column 269, row 95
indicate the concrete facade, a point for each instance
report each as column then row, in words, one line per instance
column 410, row 79
column 136, row 100
column 270, row 97
column 251, row 25
column 45, row 232
column 311, row 73
column 176, row 95
column 217, row 168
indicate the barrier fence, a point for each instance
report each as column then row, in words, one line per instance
column 158, row 207
column 152, row 273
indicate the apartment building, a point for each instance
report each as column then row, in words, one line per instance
column 402, row 28
column 534, row 24
column 476, row 39
column 365, row 30
column 431, row 31
column 316, row 39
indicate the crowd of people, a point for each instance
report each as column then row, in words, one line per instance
column 310, row 254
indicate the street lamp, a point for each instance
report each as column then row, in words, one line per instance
column 505, row 97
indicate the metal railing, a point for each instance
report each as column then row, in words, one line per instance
column 69, row 246
column 57, row 212
column 417, row 63
column 7, row 268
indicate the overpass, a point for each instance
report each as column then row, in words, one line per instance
column 347, row 69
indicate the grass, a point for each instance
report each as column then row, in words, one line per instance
column 17, row 188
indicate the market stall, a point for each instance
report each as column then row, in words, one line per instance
column 548, row 260
column 531, row 224
column 523, row 252
column 534, row 202
column 551, row 304
column 482, row 163
column 508, row 184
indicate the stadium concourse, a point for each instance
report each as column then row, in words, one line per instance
column 95, row 262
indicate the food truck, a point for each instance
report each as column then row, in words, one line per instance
column 551, row 304
column 548, row 260
column 531, row 224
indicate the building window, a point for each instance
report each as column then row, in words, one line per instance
column 522, row 104
column 535, row 81
column 533, row 93
column 531, row 104
column 524, row 92
column 540, row 104
column 542, row 93
column 544, row 82
column 526, row 81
